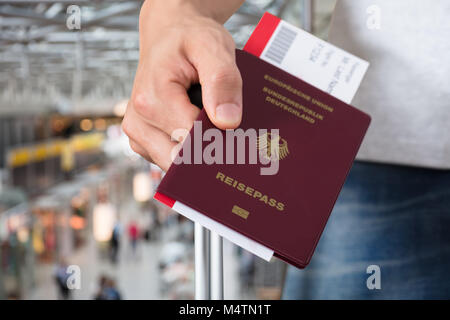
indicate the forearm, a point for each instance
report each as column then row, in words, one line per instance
column 219, row 10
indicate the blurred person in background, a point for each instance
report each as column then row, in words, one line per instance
column 61, row 277
column 145, row 224
column 133, row 234
column 111, row 291
column 154, row 222
column 107, row 289
column 114, row 243
column 246, row 269
column 102, row 281
column 394, row 210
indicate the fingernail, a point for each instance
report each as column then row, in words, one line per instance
column 229, row 114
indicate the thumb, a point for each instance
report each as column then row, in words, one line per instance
column 221, row 88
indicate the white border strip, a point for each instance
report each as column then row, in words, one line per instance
column 233, row 236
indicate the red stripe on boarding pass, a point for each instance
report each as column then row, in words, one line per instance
column 164, row 199
column 262, row 33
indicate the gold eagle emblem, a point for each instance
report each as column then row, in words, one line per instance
column 280, row 149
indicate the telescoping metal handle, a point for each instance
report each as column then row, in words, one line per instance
column 208, row 245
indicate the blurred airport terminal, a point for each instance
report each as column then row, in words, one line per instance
column 72, row 192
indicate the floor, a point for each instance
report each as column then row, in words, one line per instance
column 137, row 277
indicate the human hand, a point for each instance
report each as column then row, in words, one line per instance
column 181, row 43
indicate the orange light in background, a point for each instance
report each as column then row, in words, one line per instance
column 86, row 124
column 77, row 223
column 100, row 124
column 58, row 125
column 47, row 218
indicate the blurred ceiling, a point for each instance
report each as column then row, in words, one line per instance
column 46, row 66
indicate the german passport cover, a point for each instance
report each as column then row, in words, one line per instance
column 285, row 212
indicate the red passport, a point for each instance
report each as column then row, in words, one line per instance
column 286, row 212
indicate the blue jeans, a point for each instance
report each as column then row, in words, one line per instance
column 395, row 217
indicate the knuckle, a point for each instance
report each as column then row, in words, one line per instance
column 146, row 106
column 140, row 103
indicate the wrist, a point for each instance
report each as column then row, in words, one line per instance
column 218, row 10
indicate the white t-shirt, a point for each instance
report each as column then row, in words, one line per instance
column 407, row 87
